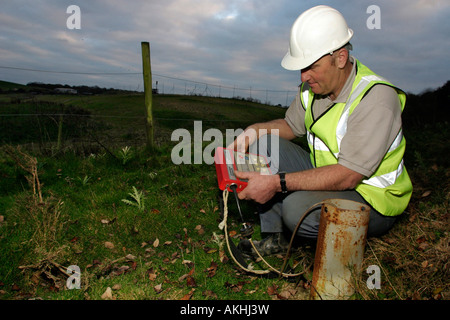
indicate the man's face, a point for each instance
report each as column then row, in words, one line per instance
column 321, row 75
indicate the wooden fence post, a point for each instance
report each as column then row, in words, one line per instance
column 147, row 73
column 60, row 125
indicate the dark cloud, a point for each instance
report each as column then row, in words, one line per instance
column 227, row 43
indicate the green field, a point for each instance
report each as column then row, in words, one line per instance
column 163, row 241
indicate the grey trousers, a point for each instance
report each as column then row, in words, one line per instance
column 285, row 211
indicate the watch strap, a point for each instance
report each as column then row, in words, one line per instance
column 283, row 181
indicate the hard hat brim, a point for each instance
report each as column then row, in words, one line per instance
column 294, row 64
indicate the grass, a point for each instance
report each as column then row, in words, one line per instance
column 148, row 229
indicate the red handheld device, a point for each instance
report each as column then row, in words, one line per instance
column 228, row 161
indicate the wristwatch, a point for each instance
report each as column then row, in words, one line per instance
column 283, row 181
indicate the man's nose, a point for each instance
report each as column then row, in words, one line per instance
column 304, row 75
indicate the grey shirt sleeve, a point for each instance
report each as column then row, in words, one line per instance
column 371, row 129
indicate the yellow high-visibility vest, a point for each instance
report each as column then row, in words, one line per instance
column 389, row 189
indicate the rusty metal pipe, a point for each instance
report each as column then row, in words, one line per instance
column 340, row 248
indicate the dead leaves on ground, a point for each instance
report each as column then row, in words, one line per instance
column 160, row 261
column 289, row 291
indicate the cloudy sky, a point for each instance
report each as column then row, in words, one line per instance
column 212, row 46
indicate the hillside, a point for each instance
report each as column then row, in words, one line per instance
column 119, row 117
column 6, row 86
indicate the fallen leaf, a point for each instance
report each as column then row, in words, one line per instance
column 212, row 269
column 249, row 291
column 96, row 262
column 209, row 250
column 189, row 295
column 123, row 269
column 156, row 243
column 184, row 276
column 158, row 288
column 421, row 239
column 286, row 294
column 106, row 221
column 222, row 256
column 437, row 291
column 190, row 282
column 234, row 287
column 272, row 290
column 130, row 257
column 426, row 193
column 117, row 287
column 74, row 239
column 209, row 294
column 35, row 278
column 109, row 245
column 151, row 274
column 200, row 229
column 232, row 233
column 108, row 294
column 389, row 240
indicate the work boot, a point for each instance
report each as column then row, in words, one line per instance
column 272, row 244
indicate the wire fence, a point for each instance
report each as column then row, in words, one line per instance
column 171, row 85
column 55, row 125
column 165, row 84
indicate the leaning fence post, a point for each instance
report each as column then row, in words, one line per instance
column 147, row 73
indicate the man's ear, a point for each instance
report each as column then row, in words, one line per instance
column 342, row 58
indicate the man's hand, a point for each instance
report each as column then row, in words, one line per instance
column 244, row 140
column 260, row 188
column 277, row 127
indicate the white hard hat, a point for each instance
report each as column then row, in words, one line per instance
column 316, row 32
